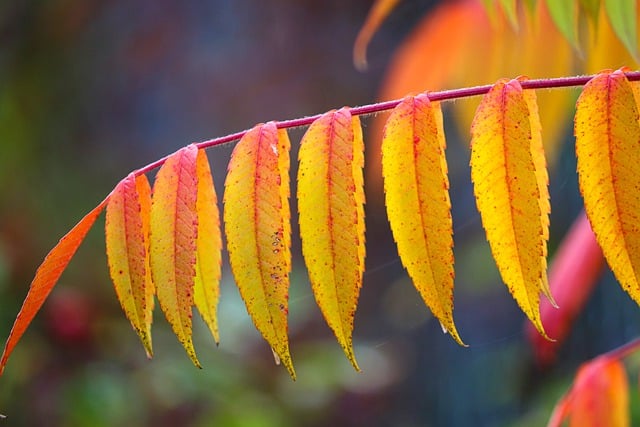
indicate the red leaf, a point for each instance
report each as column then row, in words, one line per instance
column 47, row 276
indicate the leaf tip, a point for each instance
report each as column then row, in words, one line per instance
column 453, row 332
column 286, row 361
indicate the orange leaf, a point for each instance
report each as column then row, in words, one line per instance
column 507, row 191
column 127, row 240
column 417, row 199
column 607, row 135
column 574, row 272
column 331, row 214
column 206, row 291
column 599, row 396
column 459, row 36
column 174, row 228
column 257, row 225
column 47, row 276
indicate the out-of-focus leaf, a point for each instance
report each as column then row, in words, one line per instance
column 257, row 225
column 574, row 272
column 592, row 9
column 565, row 16
column 174, row 229
column 379, row 11
column 598, row 397
column 206, row 292
column 507, row 192
column 604, row 49
column 622, row 17
column 331, row 214
column 46, row 278
column 417, row 199
column 607, row 134
column 127, row 241
column 459, row 36
column 510, row 9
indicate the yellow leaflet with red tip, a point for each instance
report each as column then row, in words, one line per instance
column 599, row 396
column 206, row 291
column 507, row 193
column 331, row 214
column 46, row 277
column 127, row 240
column 174, row 229
column 257, row 224
column 607, row 137
column 417, row 198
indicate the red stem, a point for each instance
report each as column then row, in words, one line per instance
column 444, row 95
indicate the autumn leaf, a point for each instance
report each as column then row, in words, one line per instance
column 507, row 191
column 257, row 225
column 417, row 199
column 127, row 240
column 206, row 292
column 46, row 278
column 607, row 135
column 174, row 229
column 331, row 215
column 599, row 396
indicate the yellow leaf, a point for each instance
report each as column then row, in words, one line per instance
column 507, row 193
column 599, row 396
column 127, row 239
column 174, row 228
column 206, row 292
column 607, row 136
column 331, row 214
column 257, row 225
column 417, row 199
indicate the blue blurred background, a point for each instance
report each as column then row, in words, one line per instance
column 92, row 89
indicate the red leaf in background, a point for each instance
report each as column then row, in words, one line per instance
column 573, row 274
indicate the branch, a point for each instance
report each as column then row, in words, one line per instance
column 444, row 95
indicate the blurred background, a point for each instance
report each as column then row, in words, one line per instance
column 92, row 89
